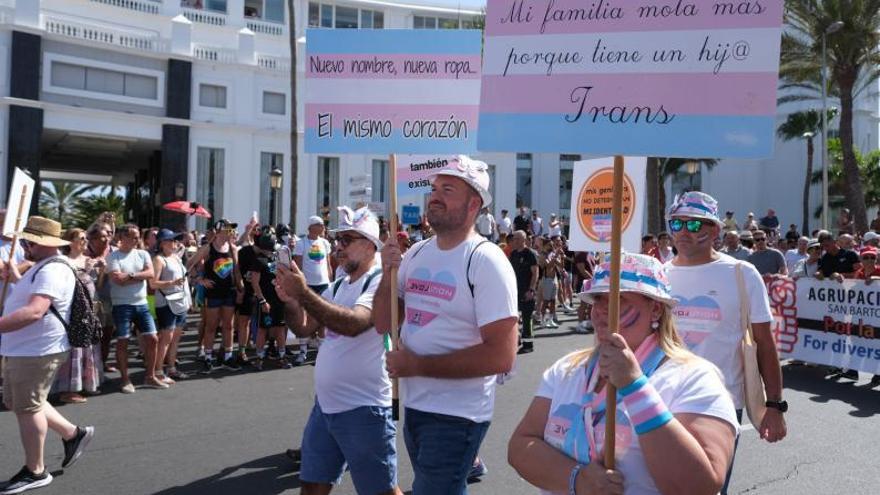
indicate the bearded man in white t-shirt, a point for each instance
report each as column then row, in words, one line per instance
column 351, row 422
column 458, row 304
column 707, row 313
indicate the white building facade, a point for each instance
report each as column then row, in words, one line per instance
column 191, row 98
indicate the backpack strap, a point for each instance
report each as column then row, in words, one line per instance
column 52, row 308
column 467, row 272
column 370, row 276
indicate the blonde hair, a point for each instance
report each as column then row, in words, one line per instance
column 669, row 339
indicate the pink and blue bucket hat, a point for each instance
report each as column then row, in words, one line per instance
column 638, row 273
column 694, row 204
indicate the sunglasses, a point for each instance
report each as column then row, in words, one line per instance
column 346, row 240
column 760, row 239
column 693, row 226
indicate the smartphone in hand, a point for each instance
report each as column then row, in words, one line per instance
column 283, row 257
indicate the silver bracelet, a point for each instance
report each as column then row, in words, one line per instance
column 572, row 478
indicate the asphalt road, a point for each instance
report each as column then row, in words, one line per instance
column 225, row 433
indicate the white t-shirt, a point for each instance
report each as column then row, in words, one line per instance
column 505, row 226
column 555, row 230
column 537, row 226
column 485, row 223
column 350, row 371
column 693, row 387
column 442, row 317
column 47, row 335
column 314, row 259
column 18, row 259
column 707, row 313
column 792, row 256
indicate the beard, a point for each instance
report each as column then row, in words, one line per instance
column 350, row 266
column 447, row 219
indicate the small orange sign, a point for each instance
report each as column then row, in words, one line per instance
column 594, row 202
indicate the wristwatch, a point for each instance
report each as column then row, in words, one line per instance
column 781, row 405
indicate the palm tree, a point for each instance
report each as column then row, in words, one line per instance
column 804, row 125
column 854, row 63
column 869, row 176
column 89, row 208
column 57, row 199
column 658, row 170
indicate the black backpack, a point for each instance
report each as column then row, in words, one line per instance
column 84, row 328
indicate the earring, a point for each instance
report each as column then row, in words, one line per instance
column 655, row 325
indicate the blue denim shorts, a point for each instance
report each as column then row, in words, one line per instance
column 442, row 449
column 126, row 314
column 361, row 439
column 169, row 320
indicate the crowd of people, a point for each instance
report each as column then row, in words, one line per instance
column 471, row 291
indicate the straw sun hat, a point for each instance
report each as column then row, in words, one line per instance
column 44, row 232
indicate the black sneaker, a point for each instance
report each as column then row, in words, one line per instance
column 208, row 365
column 285, row 364
column 257, row 363
column 231, row 364
column 26, row 480
column 850, row 375
column 874, row 381
column 74, row 447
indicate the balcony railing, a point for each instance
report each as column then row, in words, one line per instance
column 204, row 16
column 263, row 27
column 145, row 6
column 214, row 54
column 87, row 30
column 273, row 63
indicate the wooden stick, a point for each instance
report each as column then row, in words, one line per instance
column 12, row 249
column 392, row 237
column 614, row 304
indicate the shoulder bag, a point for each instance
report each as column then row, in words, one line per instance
column 753, row 384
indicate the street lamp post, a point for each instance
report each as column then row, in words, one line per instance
column 692, row 169
column 831, row 29
column 275, row 177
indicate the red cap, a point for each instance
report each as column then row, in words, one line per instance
column 402, row 235
column 869, row 250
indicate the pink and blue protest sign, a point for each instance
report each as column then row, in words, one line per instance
column 392, row 91
column 648, row 77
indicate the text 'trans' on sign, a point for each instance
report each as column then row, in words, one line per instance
column 636, row 77
column 592, row 191
column 392, row 91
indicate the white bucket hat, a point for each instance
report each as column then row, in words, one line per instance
column 638, row 273
column 474, row 172
column 694, row 204
column 362, row 221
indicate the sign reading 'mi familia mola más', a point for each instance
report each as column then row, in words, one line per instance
column 640, row 78
column 392, row 91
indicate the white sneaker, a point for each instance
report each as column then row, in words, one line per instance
column 128, row 388
column 300, row 359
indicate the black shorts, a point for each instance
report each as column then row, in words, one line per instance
column 246, row 308
column 274, row 318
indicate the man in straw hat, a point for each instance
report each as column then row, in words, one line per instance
column 33, row 347
column 704, row 283
column 458, row 305
column 351, row 422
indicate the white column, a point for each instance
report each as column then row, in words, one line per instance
column 246, row 46
column 170, row 7
column 27, row 13
column 235, row 13
column 181, row 36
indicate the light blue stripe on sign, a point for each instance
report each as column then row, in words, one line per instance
column 693, row 136
column 394, row 41
column 395, row 143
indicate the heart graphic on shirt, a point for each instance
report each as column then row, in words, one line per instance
column 695, row 318
column 441, row 285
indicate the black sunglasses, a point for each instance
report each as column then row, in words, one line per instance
column 346, row 240
column 693, row 226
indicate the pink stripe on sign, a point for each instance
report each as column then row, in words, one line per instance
column 728, row 94
column 397, row 67
column 524, row 17
column 396, row 113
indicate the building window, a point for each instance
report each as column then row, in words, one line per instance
column 329, row 16
column 328, row 188
column 209, row 182
column 566, row 170
column 424, row 22
column 267, row 10
column 212, row 95
column 96, row 80
column 523, row 180
column 274, row 103
column 269, row 162
column 380, row 181
column 215, row 5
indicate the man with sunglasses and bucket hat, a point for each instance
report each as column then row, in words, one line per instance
column 458, row 305
column 704, row 284
column 33, row 347
column 351, row 422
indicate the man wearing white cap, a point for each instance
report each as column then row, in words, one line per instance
column 707, row 314
column 458, row 305
column 311, row 254
column 351, row 422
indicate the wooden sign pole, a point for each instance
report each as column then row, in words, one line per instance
column 392, row 237
column 12, row 248
column 614, row 304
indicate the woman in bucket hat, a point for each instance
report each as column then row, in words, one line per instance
column 675, row 422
